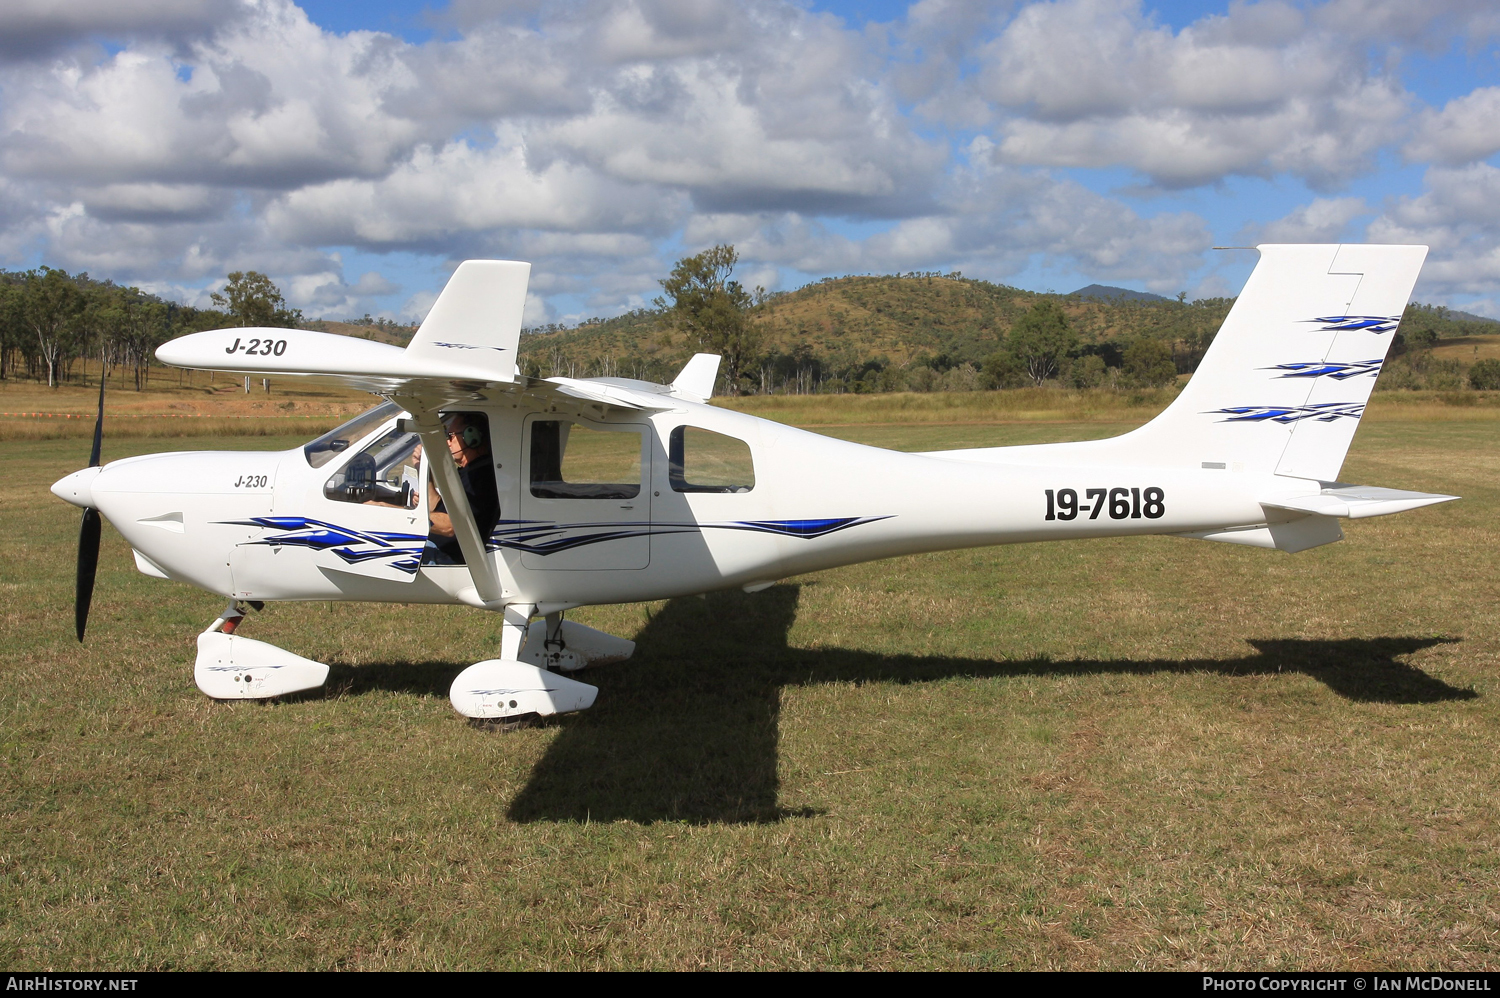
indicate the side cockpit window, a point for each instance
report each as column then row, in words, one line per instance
column 339, row 439
column 705, row 461
column 572, row 461
column 387, row 471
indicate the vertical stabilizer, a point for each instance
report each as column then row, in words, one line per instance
column 1283, row 386
column 477, row 319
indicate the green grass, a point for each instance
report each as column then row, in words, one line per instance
column 1142, row 752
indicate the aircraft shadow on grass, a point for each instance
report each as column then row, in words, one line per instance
column 688, row 729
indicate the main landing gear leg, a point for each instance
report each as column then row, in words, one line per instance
column 508, row 688
column 565, row 646
column 230, row 667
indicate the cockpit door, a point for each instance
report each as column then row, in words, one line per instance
column 585, row 496
column 370, row 516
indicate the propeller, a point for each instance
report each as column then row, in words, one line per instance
column 88, row 533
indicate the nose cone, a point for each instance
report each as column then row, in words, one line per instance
column 77, row 488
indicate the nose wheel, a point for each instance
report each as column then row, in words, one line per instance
column 232, row 667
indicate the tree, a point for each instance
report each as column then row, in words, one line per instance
column 141, row 326
column 1041, row 339
column 53, row 304
column 714, row 309
column 1003, row 370
column 251, row 298
column 1089, row 371
column 1149, row 363
column 1485, row 374
column 13, row 332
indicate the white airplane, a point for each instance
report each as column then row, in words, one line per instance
column 562, row 492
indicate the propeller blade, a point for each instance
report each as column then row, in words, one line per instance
column 98, row 423
column 88, row 533
column 88, row 564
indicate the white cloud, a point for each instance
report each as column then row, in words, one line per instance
column 458, row 190
column 418, row 305
column 595, row 137
column 1250, row 92
column 1458, row 216
column 1465, row 130
column 1434, row 22
column 1324, row 220
column 270, row 102
column 328, row 294
column 33, row 29
column 993, row 220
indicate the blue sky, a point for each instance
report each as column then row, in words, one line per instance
column 358, row 151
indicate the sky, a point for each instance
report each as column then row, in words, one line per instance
column 357, row 152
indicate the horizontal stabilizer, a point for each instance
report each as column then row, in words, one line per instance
column 696, row 379
column 1294, row 535
column 613, row 395
column 1357, row 501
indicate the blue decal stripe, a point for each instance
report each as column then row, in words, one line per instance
column 346, row 542
column 526, row 540
column 801, row 528
column 530, row 536
column 1368, row 323
column 1323, row 412
column 1336, row 371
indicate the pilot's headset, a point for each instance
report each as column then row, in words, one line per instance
column 470, row 435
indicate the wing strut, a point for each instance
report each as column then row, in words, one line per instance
column 450, row 487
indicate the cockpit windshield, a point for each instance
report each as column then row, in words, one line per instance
column 339, row 439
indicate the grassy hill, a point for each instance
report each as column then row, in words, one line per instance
column 873, row 333
column 381, row 331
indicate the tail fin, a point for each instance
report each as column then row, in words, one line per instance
column 1286, row 380
column 478, row 318
column 696, row 379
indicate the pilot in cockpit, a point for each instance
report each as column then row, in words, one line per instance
column 469, row 444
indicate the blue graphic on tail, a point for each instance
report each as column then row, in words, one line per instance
column 1369, row 323
column 1329, row 369
column 1323, row 412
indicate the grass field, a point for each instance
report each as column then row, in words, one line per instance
column 1146, row 752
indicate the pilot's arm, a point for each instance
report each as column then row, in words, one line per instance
column 441, row 523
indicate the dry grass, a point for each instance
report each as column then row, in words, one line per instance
column 31, row 411
column 1467, row 348
column 1129, row 753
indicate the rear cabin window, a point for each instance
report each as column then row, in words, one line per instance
column 572, row 461
column 705, row 461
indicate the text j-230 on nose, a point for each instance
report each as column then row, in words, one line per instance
column 258, row 347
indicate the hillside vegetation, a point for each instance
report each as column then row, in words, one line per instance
column 857, row 334
column 930, row 332
column 903, row 333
